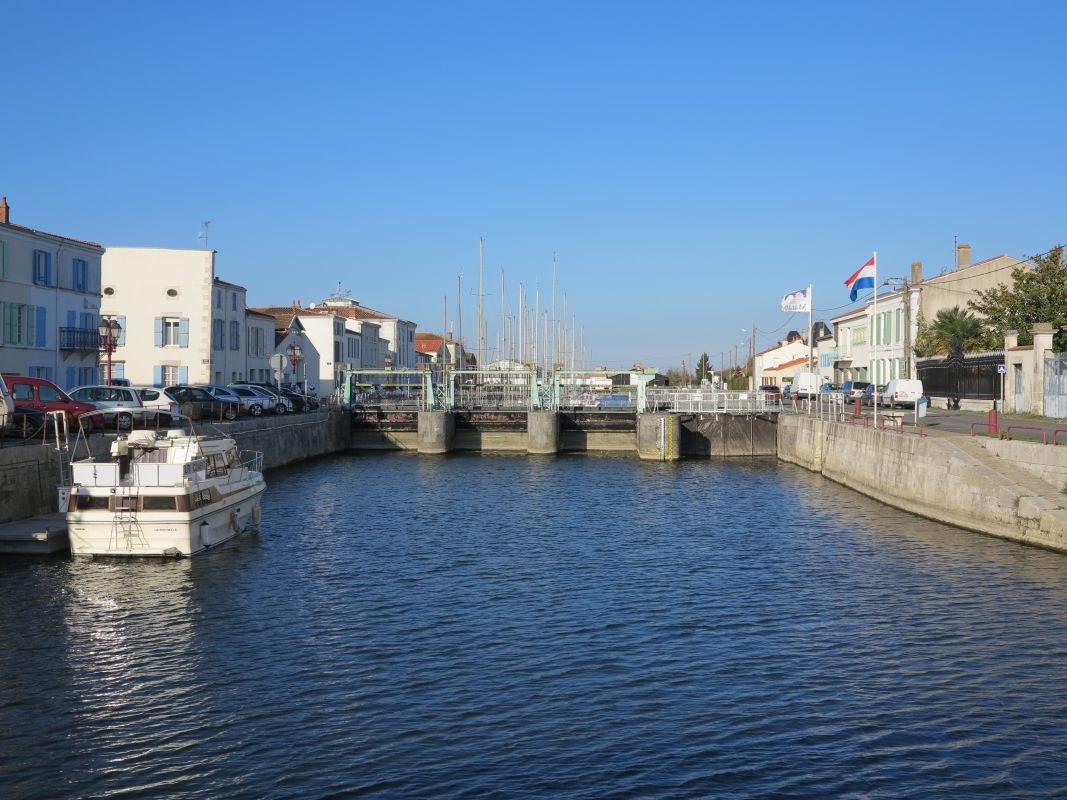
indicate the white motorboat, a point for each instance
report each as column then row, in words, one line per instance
column 162, row 493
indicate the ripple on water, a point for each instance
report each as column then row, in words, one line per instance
column 579, row 627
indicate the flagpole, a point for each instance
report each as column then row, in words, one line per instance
column 874, row 345
column 811, row 333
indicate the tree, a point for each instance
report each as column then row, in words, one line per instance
column 1038, row 294
column 952, row 333
column 703, row 369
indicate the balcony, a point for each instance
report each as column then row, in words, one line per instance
column 79, row 339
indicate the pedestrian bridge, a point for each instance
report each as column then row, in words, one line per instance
column 516, row 411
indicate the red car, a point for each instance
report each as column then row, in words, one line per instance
column 773, row 392
column 43, row 395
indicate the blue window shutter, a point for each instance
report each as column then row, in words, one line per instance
column 121, row 319
column 72, row 376
column 159, row 335
column 183, row 332
column 157, row 375
column 72, row 319
column 183, row 375
column 118, row 370
column 48, row 269
column 42, row 321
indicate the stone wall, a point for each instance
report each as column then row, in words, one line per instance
column 951, row 479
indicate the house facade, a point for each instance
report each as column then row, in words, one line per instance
column 336, row 344
column 180, row 323
column 779, row 364
column 49, row 304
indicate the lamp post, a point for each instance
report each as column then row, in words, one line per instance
column 109, row 330
column 296, row 354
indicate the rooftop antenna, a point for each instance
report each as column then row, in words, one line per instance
column 202, row 236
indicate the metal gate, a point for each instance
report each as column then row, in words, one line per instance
column 1056, row 386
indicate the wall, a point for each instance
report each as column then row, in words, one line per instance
column 951, row 479
column 1045, row 462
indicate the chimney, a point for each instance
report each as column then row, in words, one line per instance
column 963, row 256
column 5, row 211
column 916, row 272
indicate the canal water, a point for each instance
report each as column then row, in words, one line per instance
column 571, row 627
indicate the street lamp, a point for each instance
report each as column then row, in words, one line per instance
column 109, row 330
column 296, row 354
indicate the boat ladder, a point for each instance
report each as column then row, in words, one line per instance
column 126, row 530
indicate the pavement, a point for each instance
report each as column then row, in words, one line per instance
column 942, row 420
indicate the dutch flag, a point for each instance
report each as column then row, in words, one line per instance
column 863, row 278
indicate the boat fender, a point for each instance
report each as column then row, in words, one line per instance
column 233, row 521
column 256, row 515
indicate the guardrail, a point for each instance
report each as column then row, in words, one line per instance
column 1042, row 431
column 711, row 402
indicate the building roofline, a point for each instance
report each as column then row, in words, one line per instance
column 54, row 236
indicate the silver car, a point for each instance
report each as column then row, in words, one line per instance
column 253, row 403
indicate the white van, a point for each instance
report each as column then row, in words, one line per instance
column 806, row 385
column 7, row 405
column 901, row 392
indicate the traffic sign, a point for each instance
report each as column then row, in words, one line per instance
column 1002, row 368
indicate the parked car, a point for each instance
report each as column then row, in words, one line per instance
column 829, row 387
column 7, row 405
column 112, row 397
column 253, row 402
column 853, row 390
column 872, row 394
column 310, row 400
column 298, row 401
column 198, row 403
column 806, row 384
column 773, row 392
column 24, row 423
column 902, row 392
column 162, row 405
column 45, row 396
column 787, row 393
column 283, row 403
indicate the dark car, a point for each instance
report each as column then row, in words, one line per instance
column 25, row 423
column 773, row 392
column 872, row 393
column 197, row 403
column 854, row 389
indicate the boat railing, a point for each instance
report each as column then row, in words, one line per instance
column 251, row 459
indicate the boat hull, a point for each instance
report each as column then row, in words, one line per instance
column 167, row 533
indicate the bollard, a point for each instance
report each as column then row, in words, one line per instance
column 859, row 406
column 993, row 429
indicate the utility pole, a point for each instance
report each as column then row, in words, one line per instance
column 503, row 322
column 459, row 319
column 752, row 360
column 907, row 330
column 552, row 365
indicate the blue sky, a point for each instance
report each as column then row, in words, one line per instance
column 689, row 163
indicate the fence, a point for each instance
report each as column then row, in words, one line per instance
column 1056, row 386
column 969, row 377
column 711, row 402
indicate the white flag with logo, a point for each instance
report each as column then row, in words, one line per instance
column 797, row 301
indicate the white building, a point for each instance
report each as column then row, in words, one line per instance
column 49, row 304
column 332, row 344
column 396, row 335
column 877, row 348
column 260, row 345
column 180, row 323
column 779, row 364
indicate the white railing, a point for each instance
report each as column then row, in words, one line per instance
column 712, row 402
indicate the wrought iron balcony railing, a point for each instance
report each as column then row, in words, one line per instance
column 79, row 339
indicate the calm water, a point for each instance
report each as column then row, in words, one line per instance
column 516, row 627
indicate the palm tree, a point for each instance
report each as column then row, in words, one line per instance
column 954, row 331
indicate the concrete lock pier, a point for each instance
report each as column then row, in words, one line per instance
column 659, row 437
column 542, row 430
column 437, row 430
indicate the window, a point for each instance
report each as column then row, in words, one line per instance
column 859, row 336
column 22, row 392
column 87, row 375
column 336, row 352
column 235, row 334
column 218, row 298
column 48, row 394
column 24, row 325
column 3, row 261
column 79, row 277
column 900, row 313
column 42, row 268
column 172, row 331
column 217, row 332
column 338, row 329
column 171, row 375
column 233, row 300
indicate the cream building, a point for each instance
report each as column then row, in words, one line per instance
column 181, row 323
column 778, row 365
column 956, row 287
column 336, row 344
column 49, row 304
